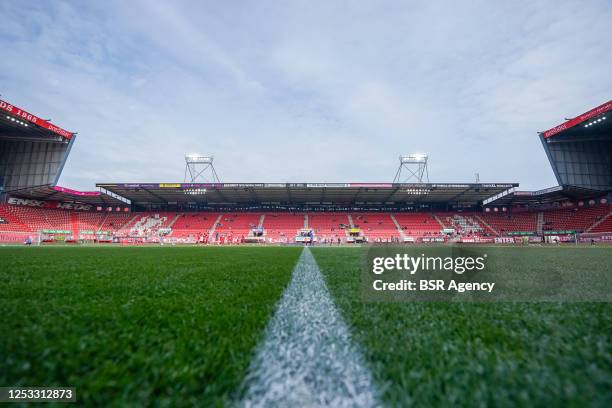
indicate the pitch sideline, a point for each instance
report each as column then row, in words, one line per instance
column 306, row 357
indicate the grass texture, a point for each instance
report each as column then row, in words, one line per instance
column 137, row 326
column 482, row 354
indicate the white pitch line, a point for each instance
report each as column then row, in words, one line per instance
column 307, row 358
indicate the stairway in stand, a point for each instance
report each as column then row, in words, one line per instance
column 74, row 224
column 540, row 223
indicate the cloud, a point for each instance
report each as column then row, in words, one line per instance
column 297, row 91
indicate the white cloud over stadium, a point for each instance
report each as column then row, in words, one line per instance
column 302, row 91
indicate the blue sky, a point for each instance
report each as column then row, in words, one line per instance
column 299, row 91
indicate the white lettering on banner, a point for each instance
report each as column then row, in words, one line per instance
column 71, row 206
column 50, row 204
column 23, row 201
column 504, row 240
column 18, row 112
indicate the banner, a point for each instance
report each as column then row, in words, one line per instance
column 25, row 115
column 432, row 239
column 579, row 119
column 504, row 240
column 49, row 204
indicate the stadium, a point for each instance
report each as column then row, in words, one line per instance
column 209, row 293
column 203, row 210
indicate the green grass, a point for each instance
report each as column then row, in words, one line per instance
column 477, row 354
column 137, row 326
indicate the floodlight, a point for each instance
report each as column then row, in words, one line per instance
column 197, row 165
column 415, row 166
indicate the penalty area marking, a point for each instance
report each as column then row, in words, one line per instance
column 307, row 357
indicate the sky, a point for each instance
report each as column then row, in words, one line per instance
column 306, row 91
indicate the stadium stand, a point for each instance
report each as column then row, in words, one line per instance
column 113, row 222
column 604, row 224
column 87, row 221
column 282, row 227
column 35, row 204
column 573, row 219
column 193, row 224
column 418, row 224
column 329, row 226
column 504, row 223
column 150, row 223
column 36, row 219
column 463, row 223
column 375, row 226
column 237, row 224
column 11, row 221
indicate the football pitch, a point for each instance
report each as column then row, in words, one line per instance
column 180, row 326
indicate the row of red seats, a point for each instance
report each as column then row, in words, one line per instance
column 330, row 226
column 35, row 218
column 574, row 219
column 604, row 225
column 283, row 226
column 503, row 223
column 193, row 224
column 376, row 226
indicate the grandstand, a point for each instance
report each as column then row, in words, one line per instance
column 32, row 204
column 377, row 227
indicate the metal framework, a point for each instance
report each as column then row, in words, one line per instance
column 412, row 167
column 200, row 169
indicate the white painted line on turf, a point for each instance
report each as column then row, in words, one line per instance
column 307, row 358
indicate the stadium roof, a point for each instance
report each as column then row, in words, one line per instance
column 18, row 123
column 593, row 119
column 579, row 149
column 306, row 193
column 545, row 196
column 57, row 193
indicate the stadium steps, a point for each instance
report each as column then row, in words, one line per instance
column 99, row 228
column 486, row 224
column 439, row 221
column 305, row 220
column 176, row 217
column 211, row 231
column 74, row 224
column 598, row 222
column 262, row 218
column 540, row 223
column 128, row 226
column 350, row 217
column 398, row 226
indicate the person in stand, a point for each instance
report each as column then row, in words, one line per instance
column 28, row 241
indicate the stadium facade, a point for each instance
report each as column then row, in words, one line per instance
column 33, row 153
